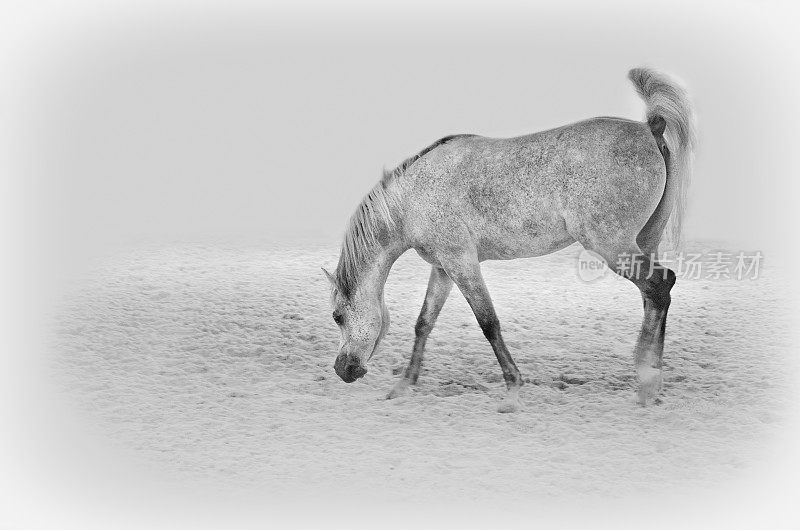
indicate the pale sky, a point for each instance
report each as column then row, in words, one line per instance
column 163, row 123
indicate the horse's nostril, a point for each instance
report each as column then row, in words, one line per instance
column 348, row 371
column 357, row 371
column 342, row 369
column 339, row 365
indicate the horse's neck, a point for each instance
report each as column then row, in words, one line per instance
column 375, row 272
column 383, row 250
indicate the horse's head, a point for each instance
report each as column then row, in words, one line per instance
column 363, row 320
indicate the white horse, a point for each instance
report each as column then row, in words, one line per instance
column 612, row 184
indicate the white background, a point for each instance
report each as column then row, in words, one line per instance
column 169, row 120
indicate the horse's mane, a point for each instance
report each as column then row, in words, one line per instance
column 373, row 213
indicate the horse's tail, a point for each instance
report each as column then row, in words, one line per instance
column 667, row 103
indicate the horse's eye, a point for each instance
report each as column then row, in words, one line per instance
column 338, row 318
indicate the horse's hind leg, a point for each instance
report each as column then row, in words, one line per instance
column 655, row 283
column 466, row 273
column 439, row 286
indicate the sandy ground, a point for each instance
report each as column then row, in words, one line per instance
column 213, row 365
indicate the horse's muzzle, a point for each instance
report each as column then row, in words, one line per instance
column 348, row 370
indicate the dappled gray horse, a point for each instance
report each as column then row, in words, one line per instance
column 614, row 185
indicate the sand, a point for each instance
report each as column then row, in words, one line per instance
column 213, row 366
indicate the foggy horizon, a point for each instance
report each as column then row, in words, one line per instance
column 239, row 127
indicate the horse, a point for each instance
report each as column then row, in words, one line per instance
column 616, row 186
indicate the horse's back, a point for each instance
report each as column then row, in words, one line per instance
column 534, row 194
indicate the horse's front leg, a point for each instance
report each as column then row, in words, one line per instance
column 466, row 273
column 439, row 286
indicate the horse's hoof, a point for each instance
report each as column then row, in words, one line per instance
column 646, row 396
column 650, row 382
column 509, row 405
column 401, row 389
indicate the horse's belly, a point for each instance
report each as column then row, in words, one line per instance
column 503, row 242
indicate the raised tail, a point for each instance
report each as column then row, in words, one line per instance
column 669, row 102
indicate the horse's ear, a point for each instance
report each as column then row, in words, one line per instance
column 330, row 277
